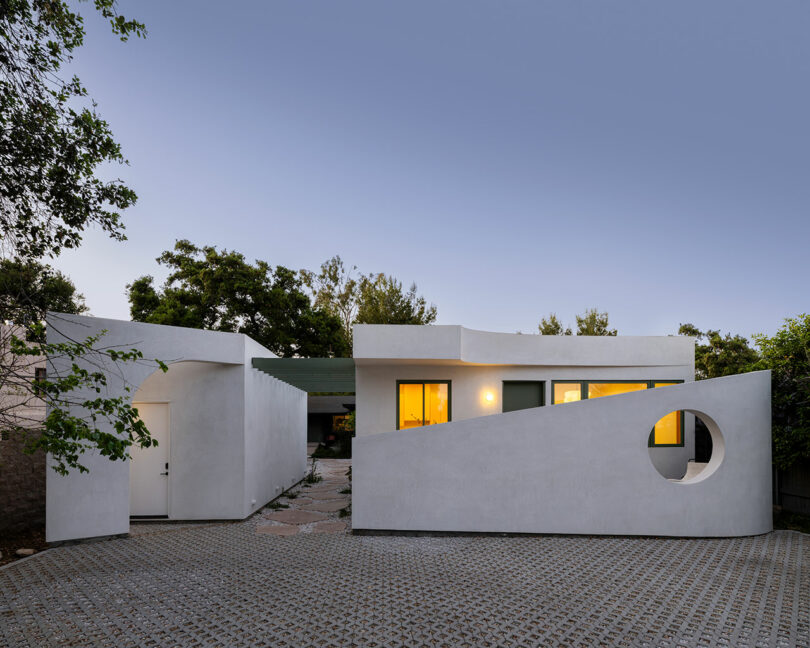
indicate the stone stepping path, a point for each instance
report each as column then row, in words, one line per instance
column 316, row 507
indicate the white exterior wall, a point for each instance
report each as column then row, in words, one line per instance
column 206, row 447
column 224, row 430
column 579, row 468
column 478, row 362
column 275, row 433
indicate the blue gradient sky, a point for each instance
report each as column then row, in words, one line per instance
column 513, row 158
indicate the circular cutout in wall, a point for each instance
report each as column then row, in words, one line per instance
column 685, row 446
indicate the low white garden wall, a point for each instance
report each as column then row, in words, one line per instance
column 579, row 468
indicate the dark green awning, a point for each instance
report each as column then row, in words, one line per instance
column 311, row 374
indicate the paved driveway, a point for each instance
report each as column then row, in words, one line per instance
column 236, row 585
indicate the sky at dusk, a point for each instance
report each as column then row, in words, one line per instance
column 512, row 158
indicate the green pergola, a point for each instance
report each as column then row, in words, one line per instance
column 311, row 374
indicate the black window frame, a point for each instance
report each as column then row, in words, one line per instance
column 427, row 381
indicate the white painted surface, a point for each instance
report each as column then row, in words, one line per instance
column 477, row 363
column 375, row 343
column 275, row 434
column 206, row 474
column 580, row 468
column 149, row 467
column 222, row 455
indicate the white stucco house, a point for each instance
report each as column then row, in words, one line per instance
column 230, row 437
column 457, row 430
column 463, row 430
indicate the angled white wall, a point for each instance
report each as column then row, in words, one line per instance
column 230, row 437
column 580, row 468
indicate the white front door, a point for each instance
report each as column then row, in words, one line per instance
column 149, row 467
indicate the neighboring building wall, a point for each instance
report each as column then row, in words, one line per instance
column 22, row 486
column 22, row 476
column 580, row 468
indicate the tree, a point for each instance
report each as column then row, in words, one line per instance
column 29, row 290
column 787, row 355
column 52, row 140
column 71, row 420
column 592, row 322
column 552, row 326
column 52, row 144
column 335, row 291
column 720, row 355
column 221, row 291
column 383, row 301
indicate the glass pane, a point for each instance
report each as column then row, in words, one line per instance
column 410, row 406
column 567, row 392
column 437, row 403
column 595, row 390
column 668, row 430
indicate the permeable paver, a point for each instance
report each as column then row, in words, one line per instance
column 233, row 584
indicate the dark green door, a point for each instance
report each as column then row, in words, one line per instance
column 522, row 394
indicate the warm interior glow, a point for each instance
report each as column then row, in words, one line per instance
column 595, row 390
column 668, row 430
column 436, row 403
column 567, row 392
column 410, row 406
column 423, row 404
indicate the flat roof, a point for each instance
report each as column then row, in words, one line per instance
column 376, row 344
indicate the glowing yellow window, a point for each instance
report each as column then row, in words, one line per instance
column 567, row 392
column 668, row 431
column 422, row 403
column 595, row 390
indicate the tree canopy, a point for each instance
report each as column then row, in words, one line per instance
column 382, row 300
column 53, row 143
column 335, row 291
column 719, row 355
column 220, row 290
column 52, row 140
column 551, row 325
column 365, row 299
column 29, row 289
column 591, row 322
column 787, row 355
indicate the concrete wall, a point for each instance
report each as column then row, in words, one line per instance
column 215, row 432
column 275, row 434
column 580, row 468
column 206, row 432
column 477, row 363
column 373, row 343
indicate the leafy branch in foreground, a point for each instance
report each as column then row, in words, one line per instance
column 52, row 140
column 80, row 414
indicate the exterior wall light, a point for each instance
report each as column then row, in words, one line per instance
column 489, row 397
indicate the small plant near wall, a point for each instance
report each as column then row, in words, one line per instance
column 345, row 512
column 344, row 432
column 312, row 476
column 277, row 505
column 291, row 495
column 346, row 491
